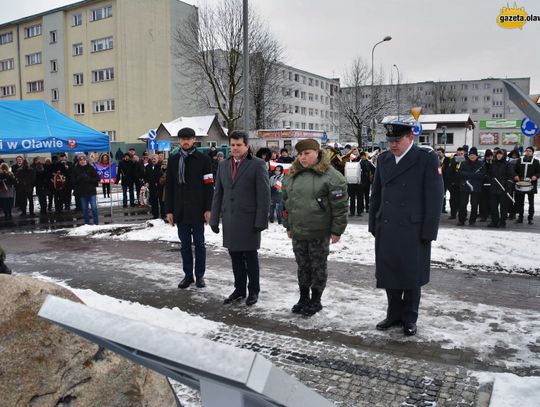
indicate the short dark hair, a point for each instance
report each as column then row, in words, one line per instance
column 441, row 149
column 460, row 149
column 530, row 148
column 284, row 150
column 239, row 134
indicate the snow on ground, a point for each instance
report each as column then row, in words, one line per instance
column 509, row 390
column 465, row 248
column 354, row 310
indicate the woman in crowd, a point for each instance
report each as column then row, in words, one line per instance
column 26, row 178
column 276, row 182
column 86, row 179
column 7, row 190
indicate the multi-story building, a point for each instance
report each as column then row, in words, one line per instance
column 109, row 64
column 496, row 119
column 308, row 102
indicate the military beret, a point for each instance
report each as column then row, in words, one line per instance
column 186, row 132
column 307, row 144
column 395, row 130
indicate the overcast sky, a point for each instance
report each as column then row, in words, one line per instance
column 431, row 39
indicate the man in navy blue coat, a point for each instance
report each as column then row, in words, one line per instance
column 404, row 213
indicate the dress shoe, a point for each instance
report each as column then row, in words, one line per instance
column 461, row 223
column 409, row 329
column 511, row 217
column 472, row 223
column 235, row 296
column 451, row 217
column 519, row 220
column 492, row 225
column 388, row 323
column 252, row 299
column 186, row 282
column 200, row 283
column 530, row 222
column 482, row 219
column 502, row 225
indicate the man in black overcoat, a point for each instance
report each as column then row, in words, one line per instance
column 404, row 214
column 188, row 200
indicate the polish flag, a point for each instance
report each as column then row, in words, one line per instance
column 286, row 167
column 208, row 178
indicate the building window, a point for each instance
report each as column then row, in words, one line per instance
column 475, row 86
column 100, row 13
column 475, row 98
column 296, row 77
column 487, row 85
column 310, row 97
column 464, row 86
column 78, row 79
column 310, row 81
column 54, row 95
column 77, row 49
column 6, row 38
column 497, row 116
column 112, row 137
column 32, row 31
column 7, row 64
column 311, row 112
column 7, row 91
column 498, row 90
column 76, row 19
column 54, row 65
column 103, row 106
column 310, row 126
column 296, row 109
column 303, row 125
column 449, row 138
column 497, row 103
column 101, row 75
column 475, row 110
column 303, row 111
column 487, row 98
column 296, row 93
column 464, row 99
column 53, row 37
column 34, row 86
column 303, row 95
column 102, row 44
column 78, row 109
column 316, row 82
column 33, row 59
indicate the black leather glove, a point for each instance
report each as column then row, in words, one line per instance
column 215, row 229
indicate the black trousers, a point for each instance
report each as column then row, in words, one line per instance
column 484, row 203
column 454, row 200
column 154, row 202
column 403, row 304
column 520, row 203
column 365, row 189
column 245, row 265
column 464, row 200
column 499, row 208
column 355, row 198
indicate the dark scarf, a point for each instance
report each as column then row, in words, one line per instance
column 182, row 164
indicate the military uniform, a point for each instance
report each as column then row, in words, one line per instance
column 406, row 203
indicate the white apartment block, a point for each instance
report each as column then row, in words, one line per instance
column 308, row 102
column 108, row 64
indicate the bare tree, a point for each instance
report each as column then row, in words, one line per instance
column 212, row 47
column 355, row 104
column 434, row 97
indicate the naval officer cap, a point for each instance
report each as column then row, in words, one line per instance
column 397, row 129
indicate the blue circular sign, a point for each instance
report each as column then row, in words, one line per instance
column 417, row 129
column 529, row 128
column 152, row 134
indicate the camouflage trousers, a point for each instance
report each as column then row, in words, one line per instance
column 311, row 258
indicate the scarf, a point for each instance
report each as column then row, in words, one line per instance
column 182, row 164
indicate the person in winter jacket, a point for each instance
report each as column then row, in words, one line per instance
column 7, row 190
column 527, row 169
column 4, row 269
column 127, row 174
column 471, row 178
column 152, row 174
column 315, row 214
column 501, row 173
column 276, row 185
column 85, row 180
column 26, row 178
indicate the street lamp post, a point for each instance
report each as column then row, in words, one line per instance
column 398, row 107
column 387, row 38
column 246, row 65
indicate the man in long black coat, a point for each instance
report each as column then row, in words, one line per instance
column 188, row 200
column 404, row 214
column 242, row 200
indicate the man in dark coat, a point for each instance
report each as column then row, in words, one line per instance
column 85, row 181
column 152, row 174
column 471, row 177
column 406, row 202
column 242, row 200
column 502, row 174
column 452, row 177
column 126, row 172
column 188, row 200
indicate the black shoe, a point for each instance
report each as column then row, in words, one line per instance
column 351, row 213
column 186, row 282
column 519, row 220
column 461, row 223
column 200, row 283
column 235, row 296
column 482, row 220
column 252, row 299
column 388, row 323
column 530, row 222
column 312, row 308
column 451, row 217
column 359, row 214
column 511, row 217
column 271, row 220
column 124, row 206
column 409, row 329
column 298, row 308
column 444, row 211
column 472, row 223
column 492, row 225
column 502, row 225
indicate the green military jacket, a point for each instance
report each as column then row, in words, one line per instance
column 315, row 200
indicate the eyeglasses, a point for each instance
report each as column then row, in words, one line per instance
column 82, row 159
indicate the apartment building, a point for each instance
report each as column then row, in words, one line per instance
column 109, row 64
column 496, row 119
column 308, row 102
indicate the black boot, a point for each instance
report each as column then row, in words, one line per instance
column 298, row 308
column 314, row 304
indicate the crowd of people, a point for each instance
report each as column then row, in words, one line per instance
column 495, row 186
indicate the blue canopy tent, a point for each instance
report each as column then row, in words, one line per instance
column 33, row 126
